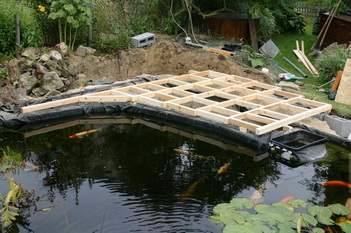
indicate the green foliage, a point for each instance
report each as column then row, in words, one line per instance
column 4, row 73
column 268, row 25
column 111, row 43
column 10, row 161
column 331, row 61
column 9, row 211
column 71, row 14
column 31, row 33
column 242, row 215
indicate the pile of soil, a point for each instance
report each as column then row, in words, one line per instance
column 163, row 57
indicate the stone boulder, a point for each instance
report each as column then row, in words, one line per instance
column 44, row 58
column 31, row 52
column 28, row 82
column 83, row 51
column 52, row 81
column 55, row 55
column 62, row 48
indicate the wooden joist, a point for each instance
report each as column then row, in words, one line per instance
column 229, row 99
column 303, row 58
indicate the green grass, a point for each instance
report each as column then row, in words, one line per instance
column 286, row 43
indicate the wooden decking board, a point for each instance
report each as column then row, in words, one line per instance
column 229, row 99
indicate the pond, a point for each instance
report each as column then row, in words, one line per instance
column 133, row 175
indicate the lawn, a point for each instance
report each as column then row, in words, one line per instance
column 286, row 43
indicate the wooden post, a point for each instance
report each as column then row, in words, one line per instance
column 18, row 35
column 90, row 32
column 253, row 34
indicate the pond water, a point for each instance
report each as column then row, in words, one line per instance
column 128, row 177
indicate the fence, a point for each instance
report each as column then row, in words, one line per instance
column 310, row 11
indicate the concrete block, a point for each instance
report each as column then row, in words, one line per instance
column 340, row 125
column 143, row 39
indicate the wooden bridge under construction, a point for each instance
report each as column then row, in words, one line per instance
column 248, row 104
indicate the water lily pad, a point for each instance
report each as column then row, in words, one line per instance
column 223, row 208
column 339, row 209
column 325, row 220
column 236, row 228
column 297, row 203
column 239, row 203
column 227, row 218
column 346, row 227
column 263, row 208
column 289, row 207
column 314, row 210
column 309, row 219
column 318, row 230
column 286, row 228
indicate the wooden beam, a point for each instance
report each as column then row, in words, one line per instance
column 50, row 104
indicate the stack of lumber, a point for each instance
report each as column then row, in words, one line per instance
column 300, row 53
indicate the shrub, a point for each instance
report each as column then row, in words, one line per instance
column 111, row 43
column 31, row 33
column 331, row 61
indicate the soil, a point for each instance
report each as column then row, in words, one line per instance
column 163, row 57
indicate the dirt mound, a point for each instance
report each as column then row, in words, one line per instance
column 164, row 57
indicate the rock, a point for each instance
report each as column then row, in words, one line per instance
column 25, row 65
column 55, row 55
column 62, row 48
column 52, row 81
column 288, row 85
column 27, row 82
column 51, row 65
column 38, row 92
column 52, row 93
column 40, row 69
column 82, row 51
column 64, row 72
column 81, row 80
column 31, row 52
column 13, row 69
column 44, row 58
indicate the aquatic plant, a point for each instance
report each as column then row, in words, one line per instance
column 17, row 196
column 243, row 215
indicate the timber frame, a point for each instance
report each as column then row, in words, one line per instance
column 229, row 99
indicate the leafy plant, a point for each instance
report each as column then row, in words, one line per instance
column 243, row 215
column 17, row 196
column 111, row 43
column 31, row 33
column 331, row 61
column 71, row 14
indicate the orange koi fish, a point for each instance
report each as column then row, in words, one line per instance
column 336, row 183
column 188, row 153
column 81, row 134
column 286, row 199
column 224, row 168
column 190, row 191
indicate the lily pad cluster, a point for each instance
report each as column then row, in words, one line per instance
column 243, row 215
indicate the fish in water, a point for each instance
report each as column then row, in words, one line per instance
column 336, row 183
column 81, row 134
column 257, row 195
column 189, row 192
column 188, row 153
column 224, row 168
column 286, row 199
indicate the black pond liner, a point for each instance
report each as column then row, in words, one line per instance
column 27, row 121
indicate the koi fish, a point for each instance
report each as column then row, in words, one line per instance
column 336, row 183
column 30, row 167
column 286, row 199
column 188, row 153
column 81, row 134
column 190, row 191
column 48, row 145
column 224, row 168
column 257, row 195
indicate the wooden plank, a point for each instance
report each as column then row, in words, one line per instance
column 344, row 95
column 51, row 128
column 50, row 104
column 337, row 81
column 306, row 63
column 107, row 98
column 275, row 125
column 212, row 116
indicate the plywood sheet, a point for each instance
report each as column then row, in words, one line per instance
column 344, row 91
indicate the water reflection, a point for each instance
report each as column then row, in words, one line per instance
column 127, row 176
